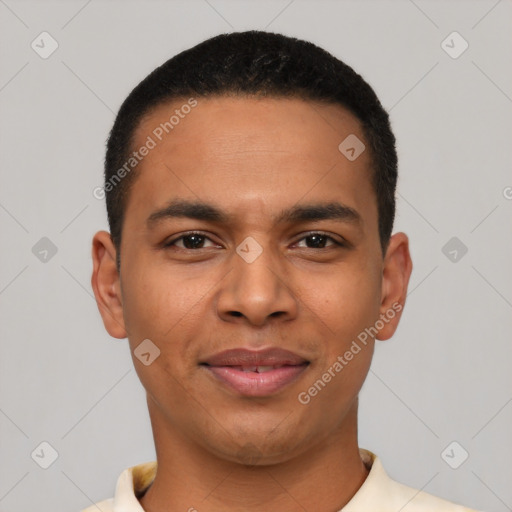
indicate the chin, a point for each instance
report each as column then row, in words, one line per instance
column 262, row 448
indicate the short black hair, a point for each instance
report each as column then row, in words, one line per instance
column 254, row 63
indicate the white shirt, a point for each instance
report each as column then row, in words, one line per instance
column 379, row 493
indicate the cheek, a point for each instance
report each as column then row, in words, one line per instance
column 332, row 390
column 158, row 308
column 346, row 301
column 154, row 302
column 167, row 309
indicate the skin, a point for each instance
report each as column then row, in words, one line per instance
column 218, row 450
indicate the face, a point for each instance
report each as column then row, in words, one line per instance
column 247, row 228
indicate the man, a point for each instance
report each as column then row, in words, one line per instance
column 250, row 187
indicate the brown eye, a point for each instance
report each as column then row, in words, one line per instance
column 319, row 240
column 190, row 241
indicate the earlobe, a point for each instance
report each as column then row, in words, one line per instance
column 395, row 281
column 106, row 285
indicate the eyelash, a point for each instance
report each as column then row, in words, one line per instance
column 172, row 243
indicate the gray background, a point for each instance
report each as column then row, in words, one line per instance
column 444, row 377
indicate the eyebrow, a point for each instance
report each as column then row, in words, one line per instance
column 300, row 213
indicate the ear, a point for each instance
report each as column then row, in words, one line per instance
column 395, row 280
column 105, row 282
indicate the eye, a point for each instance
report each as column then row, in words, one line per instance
column 189, row 241
column 318, row 241
column 196, row 240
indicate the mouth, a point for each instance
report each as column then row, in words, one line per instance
column 256, row 373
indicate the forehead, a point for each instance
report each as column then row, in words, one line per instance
column 252, row 155
column 262, row 123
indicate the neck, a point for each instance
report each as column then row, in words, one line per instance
column 189, row 478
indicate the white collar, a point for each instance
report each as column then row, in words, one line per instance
column 378, row 492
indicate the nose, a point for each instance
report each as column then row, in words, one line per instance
column 256, row 291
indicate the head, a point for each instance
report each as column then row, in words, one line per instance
column 238, row 140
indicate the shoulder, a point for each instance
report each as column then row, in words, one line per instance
column 104, row 506
column 380, row 492
column 131, row 484
column 414, row 500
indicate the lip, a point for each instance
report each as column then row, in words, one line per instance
column 244, row 357
column 227, row 367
